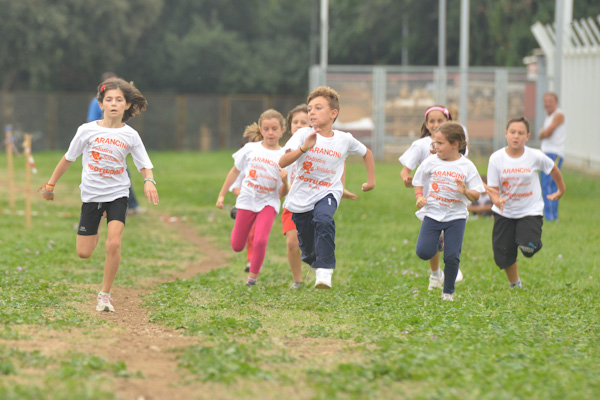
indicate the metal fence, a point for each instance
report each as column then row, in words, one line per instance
column 382, row 106
column 394, row 98
column 171, row 122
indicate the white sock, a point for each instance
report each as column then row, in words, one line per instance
column 437, row 273
column 517, row 283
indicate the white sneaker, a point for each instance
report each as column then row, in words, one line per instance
column 459, row 277
column 448, row 296
column 323, row 278
column 436, row 282
column 104, row 303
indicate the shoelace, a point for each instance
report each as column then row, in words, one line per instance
column 105, row 298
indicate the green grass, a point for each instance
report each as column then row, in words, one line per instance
column 377, row 334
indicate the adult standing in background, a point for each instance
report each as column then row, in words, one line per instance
column 95, row 114
column 552, row 136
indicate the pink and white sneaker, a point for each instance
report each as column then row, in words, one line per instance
column 105, row 303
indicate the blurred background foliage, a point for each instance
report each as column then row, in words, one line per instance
column 250, row 46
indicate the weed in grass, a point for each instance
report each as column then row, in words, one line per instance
column 224, row 362
column 84, row 366
column 11, row 359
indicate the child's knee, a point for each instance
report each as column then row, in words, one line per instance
column 292, row 243
column 426, row 253
column 324, row 220
column 237, row 247
column 84, row 253
column 113, row 245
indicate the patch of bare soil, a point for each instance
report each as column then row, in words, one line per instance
column 147, row 348
column 144, row 347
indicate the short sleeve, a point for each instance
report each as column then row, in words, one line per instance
column 411, row 157
column 240, row 159
column 493, row 173
column 419, row 178
column 140, row 154
column 474, row 180
column 356, row 147
column 76, row 146
column 296, row 140
column 546, row 163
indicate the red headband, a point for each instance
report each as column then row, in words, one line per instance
column 436, row 108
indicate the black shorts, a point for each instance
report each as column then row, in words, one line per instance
column 510, row 234
column 91, row 214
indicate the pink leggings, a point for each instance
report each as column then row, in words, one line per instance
column 263, row 220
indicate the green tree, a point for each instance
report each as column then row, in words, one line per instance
column 66, row 44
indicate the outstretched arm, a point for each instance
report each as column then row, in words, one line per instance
column 370, row 166
column 560, row 184
column 231, row 177
column 149, row 186
column 48, row 187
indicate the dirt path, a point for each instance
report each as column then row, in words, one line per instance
column 143, row 346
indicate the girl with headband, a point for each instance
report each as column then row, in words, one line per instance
column 418, row 151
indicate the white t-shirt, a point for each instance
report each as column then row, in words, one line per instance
column 261, row 181
column 444, row 201
column 418, row 151
column 319, row 171
column 237, row 183
column 555, row 144
column 104, row 176
column 518, row 181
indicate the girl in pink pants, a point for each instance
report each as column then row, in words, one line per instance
column 263, row 185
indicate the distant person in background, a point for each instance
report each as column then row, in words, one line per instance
column 95, row 114
column 483, row 206
column 552, row 136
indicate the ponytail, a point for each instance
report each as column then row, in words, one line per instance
column 252, row 133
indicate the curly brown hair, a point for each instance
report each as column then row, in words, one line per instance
column 132, row 96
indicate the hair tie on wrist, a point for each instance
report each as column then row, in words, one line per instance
column 302, row 150
column 418, row 194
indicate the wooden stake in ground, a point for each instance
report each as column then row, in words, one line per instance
column 28, row 165
column 8, row 143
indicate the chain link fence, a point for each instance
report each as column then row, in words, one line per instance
column 171, row 122
column 384, row 106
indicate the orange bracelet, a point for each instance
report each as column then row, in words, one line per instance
column 418, row 193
